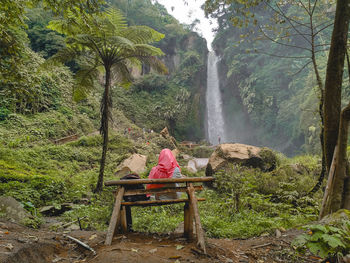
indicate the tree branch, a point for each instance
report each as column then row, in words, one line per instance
column 280, row 43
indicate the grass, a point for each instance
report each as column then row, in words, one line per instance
column 35, row 171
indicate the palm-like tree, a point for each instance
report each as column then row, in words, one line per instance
column 105, row 42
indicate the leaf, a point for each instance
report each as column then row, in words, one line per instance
column 317, row 227
column 134, row 250
column 9, row 246
column 93, row 237
column 333, row 241
column 316, row 236
column 317, row 249
column 154, row 250
column 178, row 247
column 300, row 240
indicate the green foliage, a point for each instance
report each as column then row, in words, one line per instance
column 19, row 130
column 42, row 40
column 325, row 241
column 96, row 214
column 156, row 102
column 33, row 88
column 157, row 219
column 29, row 186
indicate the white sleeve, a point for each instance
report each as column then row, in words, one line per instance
column 177, row 173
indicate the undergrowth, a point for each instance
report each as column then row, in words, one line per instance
column 243, row 202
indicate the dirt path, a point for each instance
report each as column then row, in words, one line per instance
column 19, row 244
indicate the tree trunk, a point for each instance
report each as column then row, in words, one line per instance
column 334, row 77
column 340, row 191
column 105, row 116
column 320, row 110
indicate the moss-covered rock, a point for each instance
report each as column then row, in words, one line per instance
column 337, row 218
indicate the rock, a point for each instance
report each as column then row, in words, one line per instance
column 73, row 227
column 191, row 166
column 278, row 233
column 197, row 164
column 336, row 218
column 186, row 157
column 245, row 155
column 12, row 210
column 122, row 172
column 201, row 163
column 136, row 163
column 55, row 211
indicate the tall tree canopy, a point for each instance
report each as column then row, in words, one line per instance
column 104, row 42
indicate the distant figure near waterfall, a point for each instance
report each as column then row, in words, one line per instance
column 219, row 139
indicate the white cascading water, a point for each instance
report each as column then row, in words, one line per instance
column 216, row 122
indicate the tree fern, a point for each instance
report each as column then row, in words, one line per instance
column 105, row 40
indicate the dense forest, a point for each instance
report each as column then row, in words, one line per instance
column 85, row 85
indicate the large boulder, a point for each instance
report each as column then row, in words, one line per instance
column 136, row 163
column 245, row 155
column 197, row 164
column 12, row 210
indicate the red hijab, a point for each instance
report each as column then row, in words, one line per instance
column 165, row 168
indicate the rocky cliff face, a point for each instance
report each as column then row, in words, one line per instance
column 176, row 101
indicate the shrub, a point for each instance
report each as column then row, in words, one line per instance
column 326, row 241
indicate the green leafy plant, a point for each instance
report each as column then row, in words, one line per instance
column 325, row 241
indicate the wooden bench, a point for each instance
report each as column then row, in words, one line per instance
column 119, row 218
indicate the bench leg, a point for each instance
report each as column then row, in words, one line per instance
column 128, row 218
column 123, row 220
column 188, row 222
column 194, row 206
column 115, row 216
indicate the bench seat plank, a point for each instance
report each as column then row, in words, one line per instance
column 160, row 181
column 158, row 202
column 132, row 192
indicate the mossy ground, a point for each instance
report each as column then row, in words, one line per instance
column 38, row 172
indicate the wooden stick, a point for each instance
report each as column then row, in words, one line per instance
column 158, row 202
column 115, row 216
column 159, row 190
column 160, row 181
column 199, row 230
column 329, row 184
column 81, row 243
column 72, row 222
column 259, row 246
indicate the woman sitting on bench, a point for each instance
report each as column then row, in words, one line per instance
column 167, row 168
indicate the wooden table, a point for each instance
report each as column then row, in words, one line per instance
column 119, row 219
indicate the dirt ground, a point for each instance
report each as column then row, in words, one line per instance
column 19, row 244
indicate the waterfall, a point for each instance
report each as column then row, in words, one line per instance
column 216, row 125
